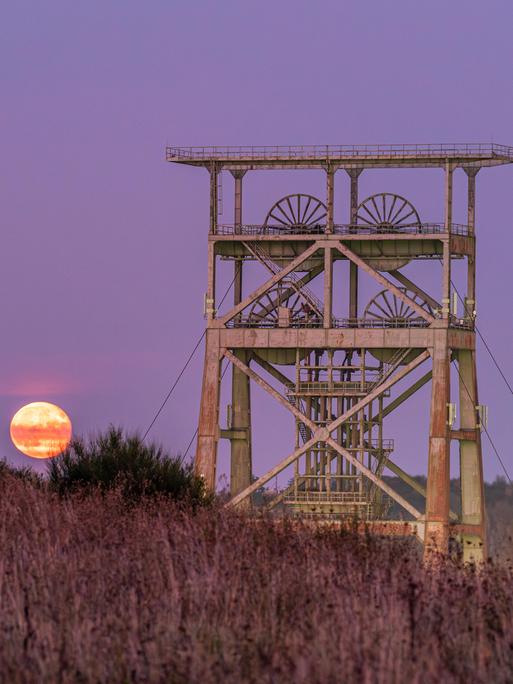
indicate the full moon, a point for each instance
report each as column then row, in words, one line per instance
column 40, row 430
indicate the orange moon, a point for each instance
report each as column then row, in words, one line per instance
column 40, row 430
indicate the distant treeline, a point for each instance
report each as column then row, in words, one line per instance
column 499, row 509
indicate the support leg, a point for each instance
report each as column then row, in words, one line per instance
column 240, row 449
column 471, row 464
column 353, row 268
column 438, row 479
column 241, row 470
column 208, row 429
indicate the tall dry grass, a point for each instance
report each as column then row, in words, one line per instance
column 94, row 592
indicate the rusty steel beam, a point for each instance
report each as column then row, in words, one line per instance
column 344, row 338
column 269, row 389
column 405, row 395
column 440, row 338
column 383, row 281
column 208, row 435
column 319, row 434
column 354, row 174
column 330, row 190
column 410, row 285
column 375, row 479
column 328, row 287
column 240, row 449
column 471, row 461
column 379, row 389
column 267, row 285
column 438, row 479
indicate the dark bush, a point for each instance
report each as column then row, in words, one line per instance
column 113, row 460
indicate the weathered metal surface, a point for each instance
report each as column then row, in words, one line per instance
column 471, row 466
column 343, row 156
column 339, row 406
column 208, row 428
column 240, row 448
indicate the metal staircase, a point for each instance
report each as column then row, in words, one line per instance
column 320, row 492
column 291, row 279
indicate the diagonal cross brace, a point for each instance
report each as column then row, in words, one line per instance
column 295, row 287
column 268, row 284
column 314, row 272
column 382, row 280
column 374, row 478
column 320, row 434
column 269, row 389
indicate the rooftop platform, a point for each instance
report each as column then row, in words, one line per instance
column 343, row 156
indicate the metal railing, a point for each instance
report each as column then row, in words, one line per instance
column 325, row 386
column 326, row 152
column 346, row 323
column 313, row 496
column 343, row 229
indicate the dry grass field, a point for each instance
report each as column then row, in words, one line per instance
column 93, row 590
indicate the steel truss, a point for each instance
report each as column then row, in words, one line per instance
column 346, row 370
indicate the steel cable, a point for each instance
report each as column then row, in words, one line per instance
column 182, row 458
column 484, row 426
column 168, row 395
column 470, row 313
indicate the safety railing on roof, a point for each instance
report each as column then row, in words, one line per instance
column 322, row 152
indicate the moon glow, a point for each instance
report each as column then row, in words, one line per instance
column 40, row 430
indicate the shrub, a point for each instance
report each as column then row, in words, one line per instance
column 26, row 474
column 113, row 460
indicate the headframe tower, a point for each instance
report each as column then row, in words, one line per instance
column 338, row 376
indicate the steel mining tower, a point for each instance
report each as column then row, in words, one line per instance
column 341, row 377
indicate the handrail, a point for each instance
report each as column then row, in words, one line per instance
column 322, row 152
column 326, row 386
column 343, row 229
column 244, row 322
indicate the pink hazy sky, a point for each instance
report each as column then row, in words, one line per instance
column 104, row 244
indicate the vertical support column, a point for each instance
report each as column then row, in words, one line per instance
column 310, row 413
column 330, row 194
column 237, row 221
column 438, row 479
column 471, row 198
column 328, row 286
column 240, row 447
column 470, row 299
column 471, row 463
column 213, row 198
column 210, row 300
column 208, row 429
column 353, row 268
column 446, row 278
column 340, row 438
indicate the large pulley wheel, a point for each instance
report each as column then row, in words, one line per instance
column 297, row 214
column 387, row 213
column 264, row 312
column 387, row 310
column 394, row 312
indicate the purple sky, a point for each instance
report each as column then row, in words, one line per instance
column 103, row 261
